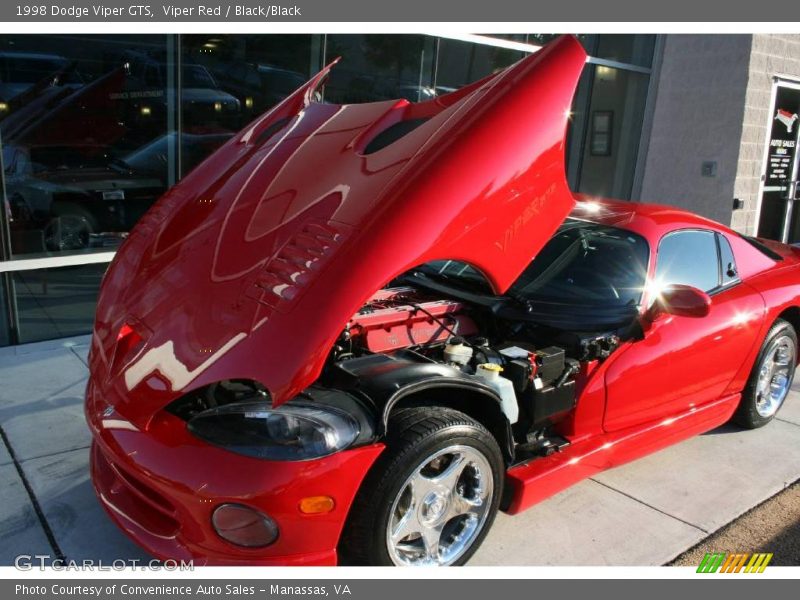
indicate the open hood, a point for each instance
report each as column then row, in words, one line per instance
column 251, row 266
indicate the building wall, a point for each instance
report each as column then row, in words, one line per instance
column 697, row 118
column 771, row 54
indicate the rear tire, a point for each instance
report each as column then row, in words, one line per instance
column 770, row 379
column 432, row 495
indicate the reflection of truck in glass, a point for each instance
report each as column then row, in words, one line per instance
column 20, row 71
column 152, row 158
column 258, row 87
column 202, row 100
column 77, row 197
column 369, row 88
column 64, row 198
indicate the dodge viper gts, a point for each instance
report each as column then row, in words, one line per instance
column 356, row 332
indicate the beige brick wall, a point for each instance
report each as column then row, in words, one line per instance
column 697, row 117
column 713, row 103
column 771, row 54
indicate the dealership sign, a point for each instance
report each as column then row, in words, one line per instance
column 783, row 137
column 777, row 220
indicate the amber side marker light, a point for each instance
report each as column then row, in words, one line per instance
column 315, row 505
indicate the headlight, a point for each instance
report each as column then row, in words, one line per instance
column 296, row 431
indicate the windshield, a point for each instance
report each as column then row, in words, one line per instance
column 60, row 158
column 153, row 156
column 196, row 76
column 583, row 264
column 587, row 264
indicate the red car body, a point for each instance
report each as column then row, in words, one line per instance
column 251, row 267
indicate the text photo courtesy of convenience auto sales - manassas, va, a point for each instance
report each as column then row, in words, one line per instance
column 312, row 292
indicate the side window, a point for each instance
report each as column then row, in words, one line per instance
column 688, row 258
column 727, row 261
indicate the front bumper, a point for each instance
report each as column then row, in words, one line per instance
column 160, row 486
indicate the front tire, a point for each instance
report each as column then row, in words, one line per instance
column 431, row 497
column 770, row 379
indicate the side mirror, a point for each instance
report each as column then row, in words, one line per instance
column 682, row 301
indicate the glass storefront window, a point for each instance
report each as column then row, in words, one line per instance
column 228, row 80
column 380, row 67
column 58, row 302
column 624, row 48
column 74, row 107
column 632, row 49
column 612, row 128
column 5, row 334
column 94, row 128
column 460, row 63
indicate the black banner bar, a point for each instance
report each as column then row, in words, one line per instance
column 703, row 586
column 536, row 11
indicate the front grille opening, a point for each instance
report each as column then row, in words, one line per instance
column 132, row 499
column 216, row 394
column 154, row 498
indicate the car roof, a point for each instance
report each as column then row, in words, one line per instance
column 649, row 220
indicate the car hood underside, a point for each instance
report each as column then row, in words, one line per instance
column 252, row 264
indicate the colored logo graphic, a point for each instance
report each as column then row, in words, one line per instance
column 721, row 562
column 787, row 118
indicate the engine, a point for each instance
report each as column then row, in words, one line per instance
column 402, row 335
column 401, row 317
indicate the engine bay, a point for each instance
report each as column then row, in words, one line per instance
column 407, row 339
column 402, row 335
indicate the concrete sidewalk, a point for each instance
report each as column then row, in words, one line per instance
column 645, row 513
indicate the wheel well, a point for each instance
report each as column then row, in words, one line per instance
column 792, row 315
column 474, row 404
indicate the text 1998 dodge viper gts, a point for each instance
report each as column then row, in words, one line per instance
column 355, row 332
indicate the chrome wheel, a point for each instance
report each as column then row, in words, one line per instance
column 441, row 508
column 775, row 375
column 68, row 232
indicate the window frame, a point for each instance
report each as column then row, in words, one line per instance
column 721, row 286
column 736, row 280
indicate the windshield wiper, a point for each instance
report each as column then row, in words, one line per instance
column 461, row 283
column 520, row 300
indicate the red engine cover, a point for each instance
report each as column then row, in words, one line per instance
column 398, row 317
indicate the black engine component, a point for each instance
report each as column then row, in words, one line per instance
column 550, row 363
column 599, row 347
column 520, row 372
column 549, row 402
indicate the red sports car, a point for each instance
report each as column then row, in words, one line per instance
column 355, row 332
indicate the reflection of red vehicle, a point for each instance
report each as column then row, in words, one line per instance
column 258, row 395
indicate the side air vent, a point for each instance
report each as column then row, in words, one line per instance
column 272, row 130
column 392, row 134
